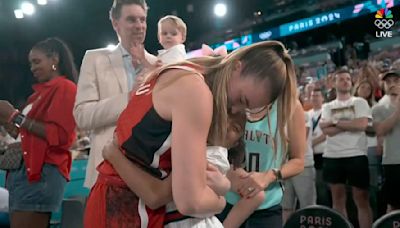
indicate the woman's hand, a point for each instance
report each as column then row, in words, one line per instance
column 111, row 150
column 235, row 176
column 216, row 181
column 6, row 109
column 11, row 130
column 254, row 182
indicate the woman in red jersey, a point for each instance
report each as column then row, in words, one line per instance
column 168, row 122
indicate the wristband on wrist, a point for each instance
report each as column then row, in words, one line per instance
column 18, row 120
column 277, row 174
column 12, row 116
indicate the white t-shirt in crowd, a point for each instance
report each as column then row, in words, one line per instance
column 315, row 114
column 346, row 144
column 174, row 54
column 384, row 100
column 308, row 156
column 372, row 140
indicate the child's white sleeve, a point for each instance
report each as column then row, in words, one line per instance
column 175, row 54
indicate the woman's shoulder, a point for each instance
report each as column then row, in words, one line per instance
column 66, row 83
column 182, row 80
column 181, row 90
column 64, row 86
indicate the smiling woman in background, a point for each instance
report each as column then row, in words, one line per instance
column 45, row 131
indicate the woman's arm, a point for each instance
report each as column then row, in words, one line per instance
column 242, row 210
column 297, row 144
column 35, row 127
column 234, row 176
column 259, row 181
column 153, row 191
column 245, row 206
column 190, row 105
column 216, row 181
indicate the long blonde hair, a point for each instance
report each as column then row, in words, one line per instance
column 267, row 60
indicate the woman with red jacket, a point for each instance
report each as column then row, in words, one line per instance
column 45, row 131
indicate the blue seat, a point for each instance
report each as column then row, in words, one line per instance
column 4, row 219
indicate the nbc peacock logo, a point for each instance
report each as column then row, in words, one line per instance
column 384, row 21
column 384, row 13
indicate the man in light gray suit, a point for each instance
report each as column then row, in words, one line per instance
column 106, row 78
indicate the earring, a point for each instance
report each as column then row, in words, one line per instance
column 54, row 67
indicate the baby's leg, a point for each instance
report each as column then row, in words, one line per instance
column 242, row 210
